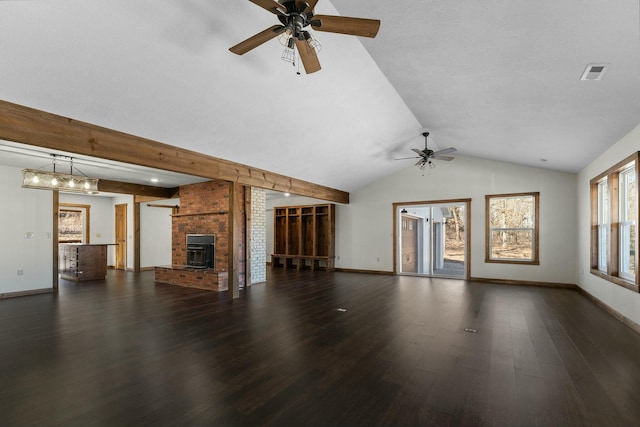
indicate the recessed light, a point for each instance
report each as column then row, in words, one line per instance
column 286, row 194
column 154, row 180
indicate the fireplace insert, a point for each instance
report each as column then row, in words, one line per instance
column 201, row 250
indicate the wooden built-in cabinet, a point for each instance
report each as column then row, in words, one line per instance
column 304, row 237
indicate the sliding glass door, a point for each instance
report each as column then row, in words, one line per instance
column 431, row 238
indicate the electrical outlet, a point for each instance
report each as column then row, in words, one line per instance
column 29, row 235
column 20, row 272
column 47, row 235
column 98, row 235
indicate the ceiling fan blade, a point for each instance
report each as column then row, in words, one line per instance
column 420, row 162
column 311, row 3
column 271, row 5
column 446, row 158
column 346, row 25
column 445, row 151
column 308, row 56
column 407, row 158
column 418, row 152
column 255, row 41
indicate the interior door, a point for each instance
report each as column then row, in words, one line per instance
column 121, row 236
column 409, row 244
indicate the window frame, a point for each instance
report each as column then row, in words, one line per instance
column 535, row 260
column 614, row 226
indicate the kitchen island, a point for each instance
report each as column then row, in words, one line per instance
column 82, row 261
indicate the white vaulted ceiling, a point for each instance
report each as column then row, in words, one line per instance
column 497, row 79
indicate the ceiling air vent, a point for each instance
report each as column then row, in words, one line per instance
column 594, row 72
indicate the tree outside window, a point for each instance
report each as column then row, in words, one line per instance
column 512, row 228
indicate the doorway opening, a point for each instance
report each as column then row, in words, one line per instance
column 432, row 238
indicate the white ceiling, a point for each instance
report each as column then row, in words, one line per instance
column 496, row 80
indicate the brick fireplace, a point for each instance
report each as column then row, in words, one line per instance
column 204, row 210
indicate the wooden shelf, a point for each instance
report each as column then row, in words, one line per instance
column 304, row 237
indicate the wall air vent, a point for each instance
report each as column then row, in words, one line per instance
column 594, row 72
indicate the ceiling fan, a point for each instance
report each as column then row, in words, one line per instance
column 294, row 16
column 427, row 155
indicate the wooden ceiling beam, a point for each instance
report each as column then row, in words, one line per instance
column 149, row 191
column 34, row 127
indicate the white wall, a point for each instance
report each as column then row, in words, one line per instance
column 155, row 233
column 24, row 211
column 102, row 219
column 621, row 299
column 364, row 228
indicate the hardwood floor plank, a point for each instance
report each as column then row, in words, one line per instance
column 127, row 351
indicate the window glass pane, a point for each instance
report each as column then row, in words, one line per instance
column 603, row 220
column 627, row 223
column 70, row 227
column 603, row 202
column 512, row 244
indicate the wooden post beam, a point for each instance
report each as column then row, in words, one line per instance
column 34, row 127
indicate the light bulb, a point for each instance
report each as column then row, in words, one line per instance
column 284, row 37
column 71, row 183
column 86, row 186
column 35, row 179
column 54, row 182
column 313, row 46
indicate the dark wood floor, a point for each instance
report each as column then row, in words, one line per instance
column 129, row 352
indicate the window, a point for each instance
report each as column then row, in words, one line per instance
column 73, row 223
column 512, row 228
column 614, row 211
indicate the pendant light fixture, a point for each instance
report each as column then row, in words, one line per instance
column 45, row 180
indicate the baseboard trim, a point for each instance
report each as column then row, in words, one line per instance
column 147, row 268
column 523, row 283
column 612, row 311
column 26, row 293
column 354, row 270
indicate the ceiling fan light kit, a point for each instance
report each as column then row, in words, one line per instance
column 295, row 16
